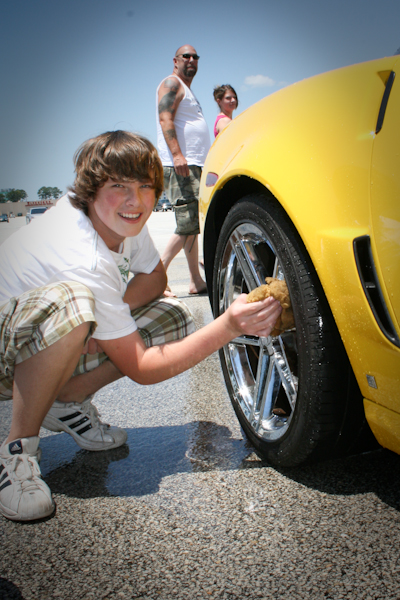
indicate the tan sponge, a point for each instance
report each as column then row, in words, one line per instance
column 279, row 290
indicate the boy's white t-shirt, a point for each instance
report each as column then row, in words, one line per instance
column 62, row 245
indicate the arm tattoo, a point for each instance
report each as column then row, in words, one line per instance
column 166, row 103
column 172, row 84
column 170, row 134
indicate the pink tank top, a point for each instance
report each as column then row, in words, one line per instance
column 219, row 117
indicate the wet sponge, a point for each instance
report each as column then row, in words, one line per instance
column 279, row 290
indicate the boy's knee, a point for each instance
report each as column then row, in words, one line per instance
column 39, row 318
column 83, row 331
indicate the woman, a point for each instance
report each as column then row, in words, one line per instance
column 226, row 98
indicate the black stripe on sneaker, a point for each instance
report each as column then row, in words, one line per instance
column 68, row 417
column 6, row 484
column 4, row 476
column 85, row 429
column 80, row 422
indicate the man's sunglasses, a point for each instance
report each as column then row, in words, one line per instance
column 188, row 56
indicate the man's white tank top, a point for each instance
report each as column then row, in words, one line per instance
column 191, row 130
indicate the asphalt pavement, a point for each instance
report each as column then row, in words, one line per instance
column 187, row 510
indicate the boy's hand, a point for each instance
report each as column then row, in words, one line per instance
column 257, row 318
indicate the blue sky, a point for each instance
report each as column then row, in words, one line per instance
column 73, row 69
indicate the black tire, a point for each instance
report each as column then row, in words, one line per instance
column 295, row 395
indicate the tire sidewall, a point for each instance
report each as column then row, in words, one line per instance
column 300, row 438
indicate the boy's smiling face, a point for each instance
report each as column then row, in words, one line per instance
column 120, row 209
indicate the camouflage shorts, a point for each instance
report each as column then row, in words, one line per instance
column 183, row 193
column 37, row 319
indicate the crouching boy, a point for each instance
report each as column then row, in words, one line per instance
column 72, row 320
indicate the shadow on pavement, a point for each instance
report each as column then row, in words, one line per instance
column 9, row 591
column 375, row 472
column 138, row 467
column 152, row 453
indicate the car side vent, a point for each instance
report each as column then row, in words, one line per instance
column 385, row 100
column 372, row 288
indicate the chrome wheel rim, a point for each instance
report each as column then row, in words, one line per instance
column 263, row 372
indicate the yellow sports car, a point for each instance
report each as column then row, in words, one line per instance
column 305, row 186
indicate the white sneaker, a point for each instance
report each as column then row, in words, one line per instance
column 82, row 422
column 24, row 496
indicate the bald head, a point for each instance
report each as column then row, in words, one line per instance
column 186, row 63
column 185, row 49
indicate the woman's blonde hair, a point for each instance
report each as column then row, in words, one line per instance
column 119, row 155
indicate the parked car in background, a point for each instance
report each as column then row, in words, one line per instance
column 35, row 212
column 166, row 205
column 305, row 186
column 19, row 215
column 3, row 218
column 163, row 204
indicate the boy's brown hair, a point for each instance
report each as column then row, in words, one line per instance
column 119, row 155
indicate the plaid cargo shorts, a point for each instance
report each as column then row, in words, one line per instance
column 37, row 319
column 183, row 193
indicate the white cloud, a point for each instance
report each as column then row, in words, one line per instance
column 257, row 81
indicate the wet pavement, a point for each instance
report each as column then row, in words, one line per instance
column 187, row 510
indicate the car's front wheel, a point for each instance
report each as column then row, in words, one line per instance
column 295, row 395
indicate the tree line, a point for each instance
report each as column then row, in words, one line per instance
column 44, row 193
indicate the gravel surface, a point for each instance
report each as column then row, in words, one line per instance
column 187, row 510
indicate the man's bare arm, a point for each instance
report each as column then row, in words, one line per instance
column 170, row 95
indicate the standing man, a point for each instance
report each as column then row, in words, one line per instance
column 183, row 141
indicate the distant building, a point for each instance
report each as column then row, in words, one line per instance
column 21, row 208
